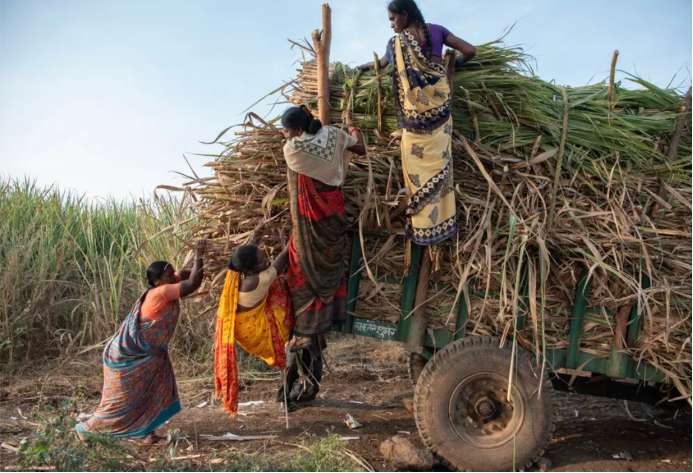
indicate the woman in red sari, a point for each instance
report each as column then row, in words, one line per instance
column 317, row 158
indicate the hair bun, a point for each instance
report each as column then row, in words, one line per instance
column 314, row 125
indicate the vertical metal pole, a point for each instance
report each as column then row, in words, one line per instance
column 577, row 319
column 353, row 284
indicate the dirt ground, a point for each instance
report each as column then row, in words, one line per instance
column 368, row 380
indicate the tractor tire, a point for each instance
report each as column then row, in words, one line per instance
column 415, row 365
column 463, row 414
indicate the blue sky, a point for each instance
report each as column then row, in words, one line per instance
column 105, row 97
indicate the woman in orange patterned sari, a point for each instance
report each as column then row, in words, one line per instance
column 139, row 387
column 255, row 310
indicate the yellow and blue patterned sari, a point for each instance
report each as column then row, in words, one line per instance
column 422, row 99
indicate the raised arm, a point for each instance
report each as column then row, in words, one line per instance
column 467, row 50
column 281, row 260
column 360, row 146
column 192, row 283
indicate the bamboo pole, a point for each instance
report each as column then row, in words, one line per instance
column 321, row 42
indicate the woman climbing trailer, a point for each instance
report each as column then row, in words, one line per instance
column 423, row 100
column 317, row 158
column 139, row 387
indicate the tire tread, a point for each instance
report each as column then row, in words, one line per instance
column 443, row 359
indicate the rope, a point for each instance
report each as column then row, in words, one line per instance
column 559, row 160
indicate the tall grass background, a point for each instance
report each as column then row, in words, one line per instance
column 70, row 270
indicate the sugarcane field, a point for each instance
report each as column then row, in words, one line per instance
column 284, row 237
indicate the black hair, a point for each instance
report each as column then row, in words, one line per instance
column 244, row 258
column 156, row 270
column 301, row 117
column 415, row 18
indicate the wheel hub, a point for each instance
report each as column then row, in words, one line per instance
column 485, row 408
column 481, row 413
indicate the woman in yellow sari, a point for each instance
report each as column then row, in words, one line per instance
column 255, row 310
column 422, row 99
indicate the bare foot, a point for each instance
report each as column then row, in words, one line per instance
column 299, row 343
column 151, row 439
column 80, row 436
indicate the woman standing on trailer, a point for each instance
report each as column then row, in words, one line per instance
column 422, row 100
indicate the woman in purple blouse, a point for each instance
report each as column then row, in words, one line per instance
column 423, row 102
column 405, row 14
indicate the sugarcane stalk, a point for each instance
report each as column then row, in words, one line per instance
column 376, row 62
column 559, row 159
column 611, row 84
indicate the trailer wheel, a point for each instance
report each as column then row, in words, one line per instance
column 462, row 410
column 415, row 365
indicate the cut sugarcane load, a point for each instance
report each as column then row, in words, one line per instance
column 552, row 183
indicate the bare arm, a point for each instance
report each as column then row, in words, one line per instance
column 467, row 50
column 370, row 65
column 360, row 146
column 281, row 260
column 193, row 282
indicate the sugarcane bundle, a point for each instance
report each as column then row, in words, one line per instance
column 551, row 182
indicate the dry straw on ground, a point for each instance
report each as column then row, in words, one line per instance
column 550, row 181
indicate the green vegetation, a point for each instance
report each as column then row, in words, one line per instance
column 70, row 270
column 56, row 445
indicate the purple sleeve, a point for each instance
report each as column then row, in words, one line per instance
column 440, row 33
column 438, row 36
column 444, row 32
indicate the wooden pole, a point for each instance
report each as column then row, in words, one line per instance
column 671, row 153
column 450, row 69
column 417, row 327
column 321, row 43
column 674, row 144
column 286, row 400
column 619, row 340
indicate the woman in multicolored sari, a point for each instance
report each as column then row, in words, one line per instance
column 422, row 99
column 317, row 158
column 139, row 388
column 255, row 311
